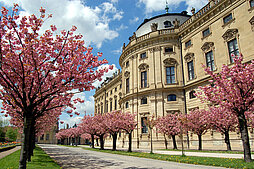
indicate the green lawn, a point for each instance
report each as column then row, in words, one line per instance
column 208, row 151
column 40, row 160
column 211, row 161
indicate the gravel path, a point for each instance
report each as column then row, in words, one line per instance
column 77, row 158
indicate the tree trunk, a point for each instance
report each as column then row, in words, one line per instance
column 97, row 142
column 31, row 142
column 151, row 151
column 174, row 142
column 92, row 137
column 102, row 142
column 114, row 141
column 130, row 140
column 245, row 136
column 199, row 142
column 166, row 143
column 227, row 141
column 26, row 136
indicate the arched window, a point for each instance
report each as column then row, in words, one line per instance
column 167, row 24
column 172, row 97
column 191, row 94
column 144, row 100
column 127, row 105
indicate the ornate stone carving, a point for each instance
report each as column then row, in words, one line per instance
column 252, row 23
column 127, row 74
column 133, row 36
column 207, row 46
column 155, row 49
column 176, row 23
column 143, row 67
column 154, row 27
column 230, row 34
column 170, row 62
column 189, row 57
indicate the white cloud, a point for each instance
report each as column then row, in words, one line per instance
column 113, row 1
column 117, row 51
column 92, row 22
column 157, row 5
column 108, row 74
column 121, row 27
column 134, row 20
column 71, row 121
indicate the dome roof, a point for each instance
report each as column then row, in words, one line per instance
column 164, row 21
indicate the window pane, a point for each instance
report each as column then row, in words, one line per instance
column 227, row 18
column 252, row 3
column 172, row 97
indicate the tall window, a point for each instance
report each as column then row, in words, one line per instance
column 227, row 18
column 210, row 60
column 251, row 3
column 233, row 49
column 42, row 137
column 143, row 55
column 171, row 97
column 127, row 105
column 170, row 75
column 144, row 100
column 144, row 79
column 47, row 136
column 110, row 105
column 127, row 85
column 143, row 125
column 115, row 104
column 190, row 70
column 107, row 107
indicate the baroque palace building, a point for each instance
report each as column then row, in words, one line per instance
column 162, row 67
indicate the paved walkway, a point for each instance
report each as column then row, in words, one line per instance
column 197, row 154
column 77, row 158
column 6, row 153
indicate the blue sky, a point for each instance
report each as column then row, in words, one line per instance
column 105, row 25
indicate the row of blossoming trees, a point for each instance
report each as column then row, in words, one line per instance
column 232, row 91
column 100, row 126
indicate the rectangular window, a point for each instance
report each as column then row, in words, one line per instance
column 190, row 70
column 127, row 64
column 107, row 107
column 42, row 137
column 127, row 85
column 170, row 75
column 188, row 44
column 206, row 32
column 47, row 136
column 168, row 49
column 227, row 18
column 143, row 55
column 252, row 3
column 111, row 106
column 143, row 125
column 144, row 79
column 115, row 104
column 116, row 89
column 210, row 60
column 120, row 86
column 144, row 100
column 233, row 49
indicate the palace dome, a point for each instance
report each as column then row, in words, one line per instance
column 164, row 21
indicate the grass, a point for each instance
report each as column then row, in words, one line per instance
column 208, row 151
column 40, row 160
column 210, row 161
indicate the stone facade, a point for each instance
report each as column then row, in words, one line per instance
column 162, row 68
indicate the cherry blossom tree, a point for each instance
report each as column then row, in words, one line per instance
column 150, row 123
column 169, row 125
column 197, row 122
column 233, row 89
column 41, row 72
column 128, row 125
column 222, row 121
column 88, row 126
column 114, row 124
column 101, row 128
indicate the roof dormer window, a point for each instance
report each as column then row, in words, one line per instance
column 167, row 24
